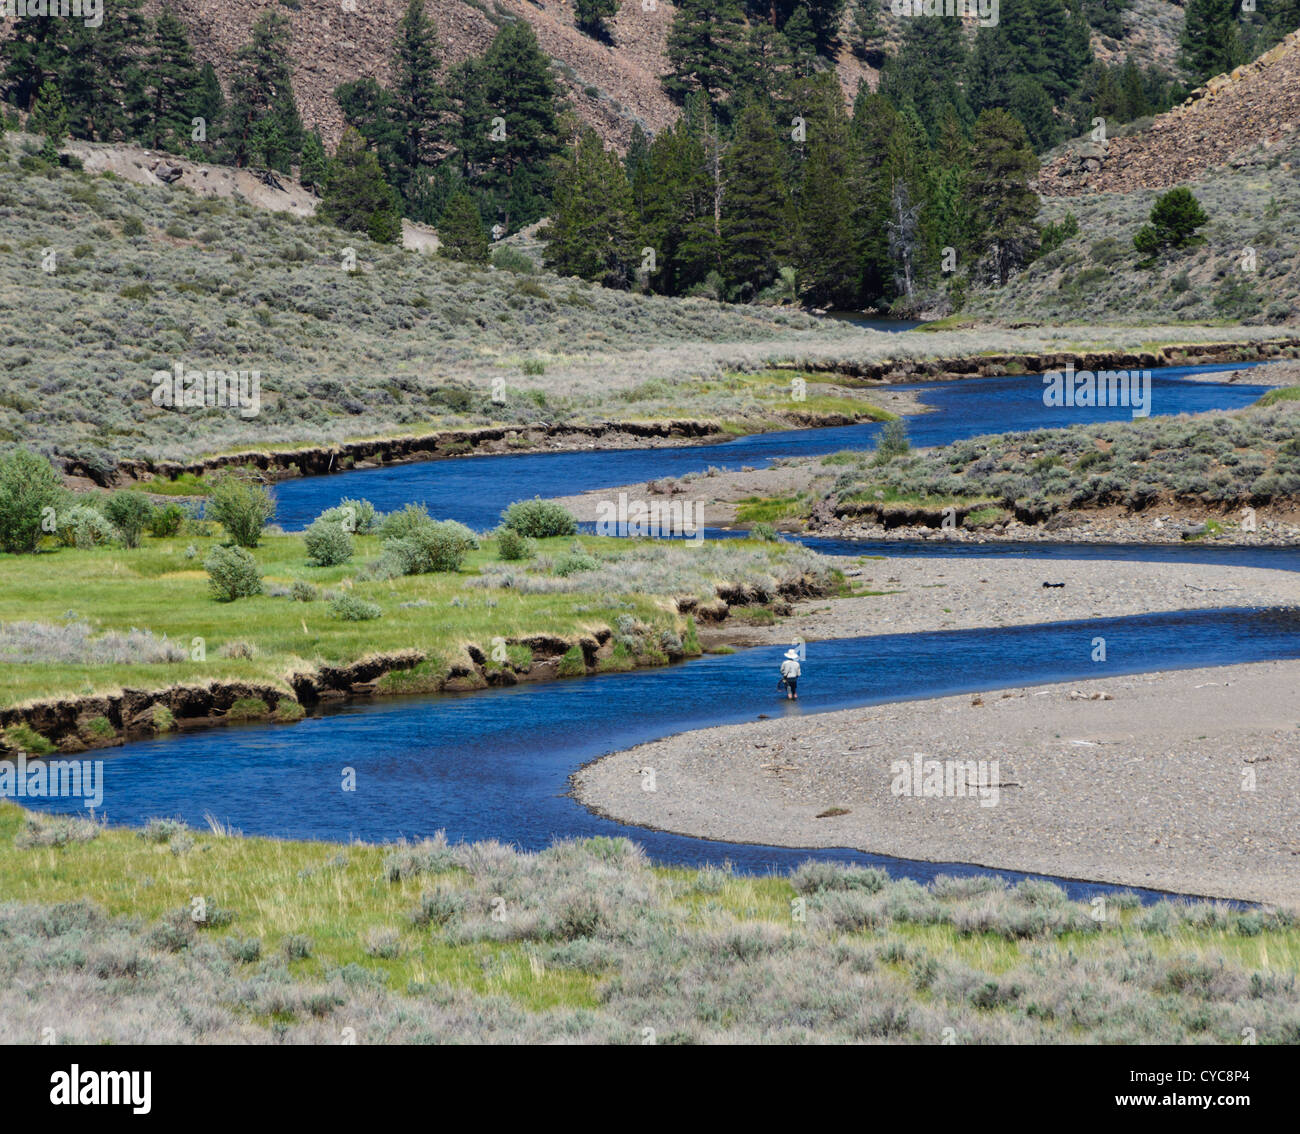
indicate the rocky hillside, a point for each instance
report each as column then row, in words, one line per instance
column 612, row 86
column 1257, row 105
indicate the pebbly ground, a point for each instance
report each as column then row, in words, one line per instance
column 1147, row 787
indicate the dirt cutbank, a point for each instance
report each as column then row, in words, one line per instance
column 1182, row 781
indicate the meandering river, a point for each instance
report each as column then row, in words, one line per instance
column 495, row 764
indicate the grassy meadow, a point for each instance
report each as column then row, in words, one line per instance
column 174, row 935
column 67, row 615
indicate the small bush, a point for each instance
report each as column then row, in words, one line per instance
column 133, row 226
column 508, row 259
column 233, row 574
column 357, row 516
column 352, row 609
column 242, row 508
column 328, row 543
column 29, row 486
column 248, row 709
column 429, row 548
column 539, row 519
column 303, row 592
column 511, row 546
column 84, row 527
column 129, row 512
column 166, row 521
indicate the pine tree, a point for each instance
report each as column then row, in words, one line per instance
column 756, row 212
column 314, row 170
column 368, row 109
column 210, row 103
column 263, row 121
column 592, row 233
column 357, row 198
column 173, row 84
column 33, row 51
column 460, row 231
column 416, row 99
column 638, row 169
column 801, row 37
column 705, row 50
column 1003, row 167
column 679, row 221
column 874, row 123
column 509, row 107
column 928, row 68
column 826, row 259
column 590, row 16
column 868, row 30
column 825, row 17
column 1033, row 107
column 49, row 115
column 766, row 60
column 1211, row 42
column 102, row 80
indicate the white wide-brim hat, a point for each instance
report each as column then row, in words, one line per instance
column 793, row 655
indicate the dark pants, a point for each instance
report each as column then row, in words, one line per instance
column 791, row 685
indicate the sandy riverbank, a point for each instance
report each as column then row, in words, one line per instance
column 1186, row 781
column 969, row 593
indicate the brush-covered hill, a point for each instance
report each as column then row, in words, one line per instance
column 1253, row 207
column 116, row 281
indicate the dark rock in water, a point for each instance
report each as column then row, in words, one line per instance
column 1053, row 584
column 764, row 717
column 1197, row 531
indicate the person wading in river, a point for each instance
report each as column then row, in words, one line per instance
column 790, row 675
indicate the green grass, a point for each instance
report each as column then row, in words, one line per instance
column 767, row 509
column 156, row 587
column 595, row 942
column 1282, row 394
column 276, row 889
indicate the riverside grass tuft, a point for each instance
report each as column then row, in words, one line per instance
column 401, row 943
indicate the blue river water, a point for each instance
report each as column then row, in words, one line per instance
column 495, row 764
column 474, row 490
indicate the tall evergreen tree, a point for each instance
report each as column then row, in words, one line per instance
column 705, row 50
column 756, row 214
column 461, row 235
column 174, row 85
column 262, row 122
column 210, row 102
column 592, row 232
column 314, row 171
column 1211, row 41
column 679, row 220
column 103, row 80
column 1003, row 167
column 509, row 106
column 416, row 99
column 34, row 50
column 357, row 198
column 928, row 69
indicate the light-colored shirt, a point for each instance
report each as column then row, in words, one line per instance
column 789, row 668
